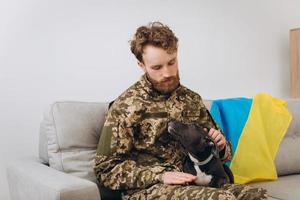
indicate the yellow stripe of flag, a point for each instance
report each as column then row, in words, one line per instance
column 266, row 125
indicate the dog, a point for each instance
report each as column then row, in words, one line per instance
column 202, row 155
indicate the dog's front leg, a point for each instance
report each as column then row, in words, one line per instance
column 202, row 178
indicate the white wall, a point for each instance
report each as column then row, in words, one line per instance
column 78, row 50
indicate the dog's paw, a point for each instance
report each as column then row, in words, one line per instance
column 203, row 179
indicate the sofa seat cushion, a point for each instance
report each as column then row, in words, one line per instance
column 286, row 187
column 72, row 132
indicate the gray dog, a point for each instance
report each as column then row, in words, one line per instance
column 202, row 155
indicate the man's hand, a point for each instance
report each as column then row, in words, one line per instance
column 177, row 178
column 218, row 138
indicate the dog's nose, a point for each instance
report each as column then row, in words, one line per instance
column 170, row 129
column 172, row 121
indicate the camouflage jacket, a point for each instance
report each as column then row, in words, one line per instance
column 134, row 148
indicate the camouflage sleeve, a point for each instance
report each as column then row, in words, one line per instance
column 226, row 153
column 114, row 165
column 206, row 120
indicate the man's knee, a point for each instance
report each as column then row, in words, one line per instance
column 203, row 193
column 171, row 192
column 254, row 194
column 226, row 195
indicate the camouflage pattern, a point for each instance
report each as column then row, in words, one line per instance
column 171, row 192
column 135, row 148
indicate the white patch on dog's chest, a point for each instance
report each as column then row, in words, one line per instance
column 202, row 178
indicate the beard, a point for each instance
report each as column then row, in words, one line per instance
column 165, row 86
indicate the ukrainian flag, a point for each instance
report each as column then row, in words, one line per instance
column 255, row 128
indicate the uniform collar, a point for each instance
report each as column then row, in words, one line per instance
column 148, row 87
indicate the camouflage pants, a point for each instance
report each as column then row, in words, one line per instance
column 172, row 192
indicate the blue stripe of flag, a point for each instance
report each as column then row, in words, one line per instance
column 231, row 115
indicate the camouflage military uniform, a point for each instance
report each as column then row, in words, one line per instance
column 135, row 149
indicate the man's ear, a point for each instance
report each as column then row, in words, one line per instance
column 142, row 66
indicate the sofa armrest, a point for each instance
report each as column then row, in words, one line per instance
column 30, row 179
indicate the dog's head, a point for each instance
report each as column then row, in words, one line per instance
column 193, row 138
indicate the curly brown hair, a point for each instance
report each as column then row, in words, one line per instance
column 156, row 34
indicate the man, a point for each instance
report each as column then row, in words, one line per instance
column 135, row 153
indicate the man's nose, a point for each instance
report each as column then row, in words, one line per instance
column 167, row 72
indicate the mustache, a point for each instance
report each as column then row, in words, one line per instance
column 169, row 79
column 166, row 84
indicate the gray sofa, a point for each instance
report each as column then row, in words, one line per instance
column 68, row 139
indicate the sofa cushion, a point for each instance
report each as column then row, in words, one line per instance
column 286, row 187
column 207, row 104
column 288, row 157
column 43, row 144
column 72, row 130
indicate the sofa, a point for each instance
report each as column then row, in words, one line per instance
column 68, row 138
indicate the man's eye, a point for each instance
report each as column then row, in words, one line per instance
column 156, row 67
column 172, row 62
